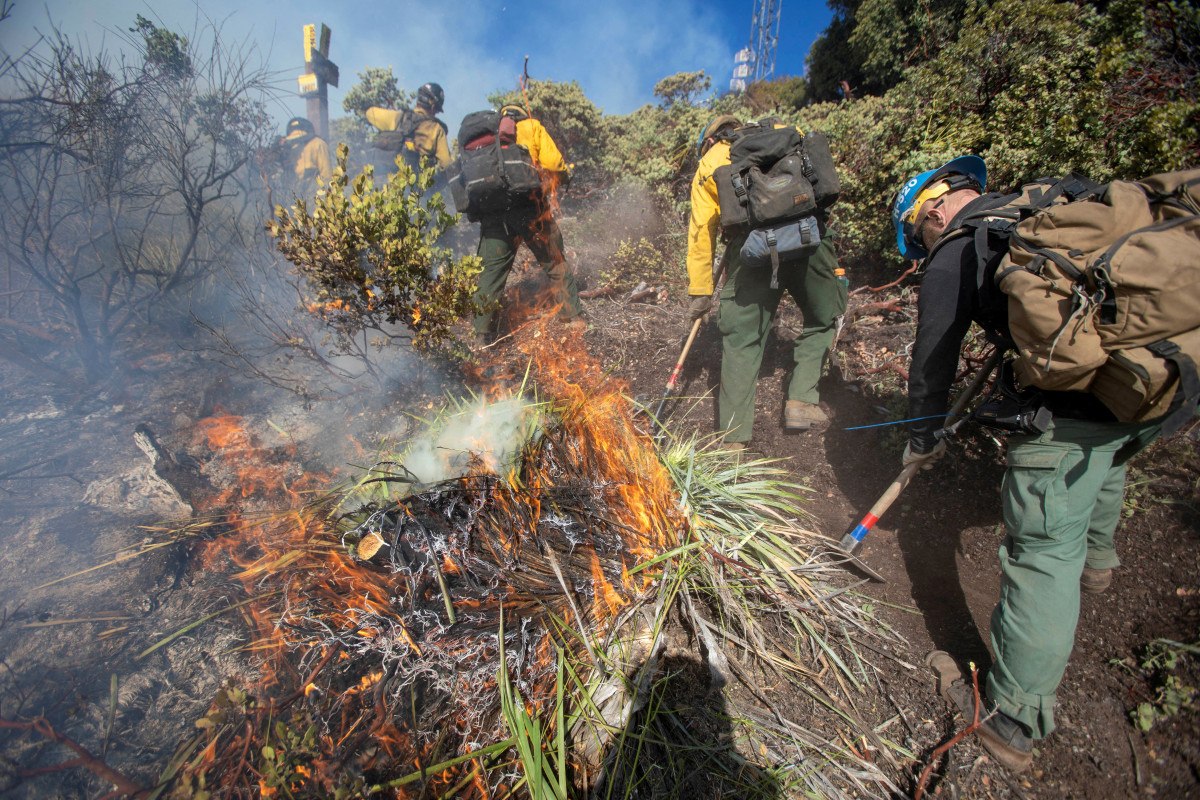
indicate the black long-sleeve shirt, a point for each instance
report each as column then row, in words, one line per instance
column 952, row 297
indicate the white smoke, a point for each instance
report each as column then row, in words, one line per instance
column 487, row 433
column 471, row 47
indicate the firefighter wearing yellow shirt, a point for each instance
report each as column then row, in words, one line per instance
column 748, row 304
column 500, row 235
column 425, row 136
column 307, row 154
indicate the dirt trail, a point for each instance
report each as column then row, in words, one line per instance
column 937, row 547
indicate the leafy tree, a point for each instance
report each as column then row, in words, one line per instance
column 1150, row 74
column 656, row 147
column 377, row 86
column 780, row 95
column 653, row 146
column 372, row 259
column 165, row 50
column 682, row 87
column 1037, row 89
column 891, row 35
column 832, row 61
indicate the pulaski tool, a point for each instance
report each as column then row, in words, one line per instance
column 673, row 381
column 851, row 543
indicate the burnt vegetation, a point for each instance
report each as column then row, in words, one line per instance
column 591, row 613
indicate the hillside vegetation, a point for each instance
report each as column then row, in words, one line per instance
column 1037, row 88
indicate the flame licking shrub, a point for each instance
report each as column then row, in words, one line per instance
column 372, row 257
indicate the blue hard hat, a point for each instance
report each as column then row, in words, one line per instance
column 970, row 166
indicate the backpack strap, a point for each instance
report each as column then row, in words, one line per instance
column 1187, row 396
column 773, row 243
column 1075, row 186
column 1078, row 186
column 739, row 188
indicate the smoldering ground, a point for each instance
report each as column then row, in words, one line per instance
column 92, row 575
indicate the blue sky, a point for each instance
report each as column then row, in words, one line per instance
column 616, row 49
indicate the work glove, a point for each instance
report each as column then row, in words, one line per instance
column 924, row 459
column 700, row 305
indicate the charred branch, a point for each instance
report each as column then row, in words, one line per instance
column 83, row 759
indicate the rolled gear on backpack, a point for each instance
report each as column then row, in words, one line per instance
column 774, row 246
column 400, row 141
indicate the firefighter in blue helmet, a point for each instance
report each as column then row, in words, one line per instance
column 1062, row 490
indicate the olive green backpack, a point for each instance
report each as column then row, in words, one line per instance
column 1103, row 286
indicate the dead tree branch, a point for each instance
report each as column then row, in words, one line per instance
column 42, row 726
column 896, row 282
column 967, row 731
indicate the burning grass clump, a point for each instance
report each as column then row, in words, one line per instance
column 556, row 621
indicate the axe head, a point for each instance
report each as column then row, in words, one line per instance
column 847, row 550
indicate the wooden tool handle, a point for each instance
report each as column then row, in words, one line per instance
column 892, row 492
column 683, row 355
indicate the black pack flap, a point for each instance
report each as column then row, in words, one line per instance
column 763, row 148
column 476, row 124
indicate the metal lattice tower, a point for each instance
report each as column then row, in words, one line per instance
column 764, row 38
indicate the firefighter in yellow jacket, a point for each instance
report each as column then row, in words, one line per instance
column 423, row 134
column 306, row 154
column 748, row 304
column 500, row 235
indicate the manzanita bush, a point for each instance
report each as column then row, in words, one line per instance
column 372, row 260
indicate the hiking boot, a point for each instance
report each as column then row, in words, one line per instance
column 1095, row 581
column 1001, row 735
column 801, row 416
column 1006, row 740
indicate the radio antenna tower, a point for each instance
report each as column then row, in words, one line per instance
column 764, row 38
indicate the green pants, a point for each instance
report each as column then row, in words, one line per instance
column 748, row 305
column 499, row 238
column 1062, row 496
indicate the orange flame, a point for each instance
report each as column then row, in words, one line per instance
column 276, row 541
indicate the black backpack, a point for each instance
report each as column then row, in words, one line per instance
column 400, row 141
column 492, row 173
column 776, row 190
column 395, row 141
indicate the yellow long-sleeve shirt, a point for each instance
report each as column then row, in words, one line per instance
column 313, row 161
column 534, row 137
column 705, row 220
column 429, row 137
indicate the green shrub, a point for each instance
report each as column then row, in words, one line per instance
column 634, row 260
column 372, row 257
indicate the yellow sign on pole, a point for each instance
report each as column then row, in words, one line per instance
column 310, row 42
column 319, row 73
column 308, row 84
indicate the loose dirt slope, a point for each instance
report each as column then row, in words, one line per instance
column 937, row 548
